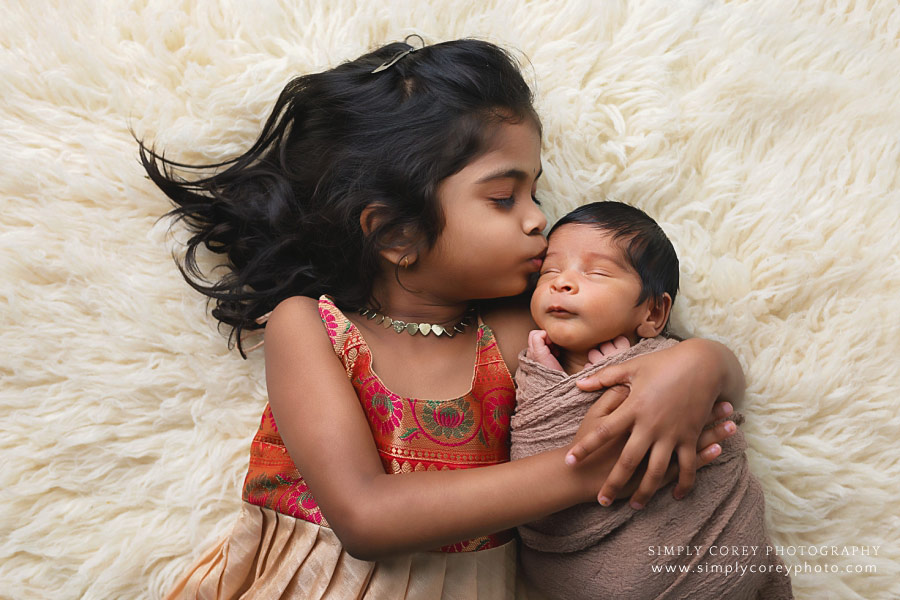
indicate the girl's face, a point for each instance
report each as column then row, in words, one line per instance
column 493, row 234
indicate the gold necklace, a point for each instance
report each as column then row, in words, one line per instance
column 421, row 328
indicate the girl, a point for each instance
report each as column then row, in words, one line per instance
column 385, row 208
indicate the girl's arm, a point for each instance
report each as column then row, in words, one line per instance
column 671, row 397
column 326, row 434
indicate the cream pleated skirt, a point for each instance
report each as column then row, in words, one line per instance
column 270, row 556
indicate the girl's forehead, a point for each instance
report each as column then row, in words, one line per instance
column 514, row 150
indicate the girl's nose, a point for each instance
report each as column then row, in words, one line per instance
column 534, row 221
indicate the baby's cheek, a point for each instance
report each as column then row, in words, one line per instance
column 540, row 318
column 537, row 307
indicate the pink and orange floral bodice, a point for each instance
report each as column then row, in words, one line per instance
column 411, row 434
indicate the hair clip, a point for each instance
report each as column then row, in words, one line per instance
column 386, row 65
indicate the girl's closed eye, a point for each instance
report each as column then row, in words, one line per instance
column 506, row 202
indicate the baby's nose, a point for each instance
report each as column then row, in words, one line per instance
column 562, row 284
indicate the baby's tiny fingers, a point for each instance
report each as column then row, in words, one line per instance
column 614, row 346
column 534, row 340
column 607, row 349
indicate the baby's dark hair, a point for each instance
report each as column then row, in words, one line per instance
column 286, row 213
column 643, row 242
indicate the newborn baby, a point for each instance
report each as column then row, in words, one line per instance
column 604, row 295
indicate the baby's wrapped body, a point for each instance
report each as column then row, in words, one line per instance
column 711, row 545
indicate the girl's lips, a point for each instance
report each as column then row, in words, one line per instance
column 558, row 311
column 538, row 260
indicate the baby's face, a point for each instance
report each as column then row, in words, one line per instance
column 587, row 291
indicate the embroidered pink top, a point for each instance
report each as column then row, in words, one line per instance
column 411, row 434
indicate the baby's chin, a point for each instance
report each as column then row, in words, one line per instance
column 563, row 337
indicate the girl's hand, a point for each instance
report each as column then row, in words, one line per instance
column 708, row 451
column 708, row 445
column 669, row 401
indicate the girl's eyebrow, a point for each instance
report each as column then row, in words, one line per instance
column 508, row 174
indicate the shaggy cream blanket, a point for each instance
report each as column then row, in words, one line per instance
column 763, row 136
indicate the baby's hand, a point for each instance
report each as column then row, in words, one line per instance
column 607, row 349
column 539, row 350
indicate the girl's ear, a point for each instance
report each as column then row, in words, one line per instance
column 657, row 314
column 370, row 217
column 398, row 246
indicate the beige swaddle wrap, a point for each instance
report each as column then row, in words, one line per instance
column 711, row 545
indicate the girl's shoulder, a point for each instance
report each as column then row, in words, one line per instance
column 294, row 309
column 300, row 356
column 301, row 319
column 510, row 320
column 293, row 319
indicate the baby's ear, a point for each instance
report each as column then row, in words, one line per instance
column 655, row 317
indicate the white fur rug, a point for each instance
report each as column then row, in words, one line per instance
column 762, row 135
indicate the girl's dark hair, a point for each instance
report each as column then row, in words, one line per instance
column 286, row 213
column 644, row 244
